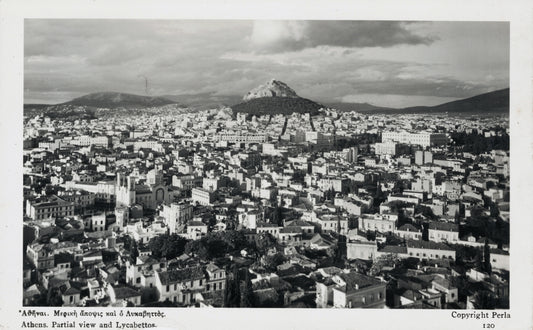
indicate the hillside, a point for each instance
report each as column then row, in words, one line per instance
column 492, row 102
column 277, row 105
column 497, row 101
column 113, row 100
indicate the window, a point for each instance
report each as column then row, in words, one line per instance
column 200, row 282
column 207, row 288
column 168, row 288
column 138, row 280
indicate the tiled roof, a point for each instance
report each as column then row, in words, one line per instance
column 444, row 226
column 409, row 227
column 180, row 275
column 428, row 245
column 394, row 249
column 125, row 292
column 355, row 281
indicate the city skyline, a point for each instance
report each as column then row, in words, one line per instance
column 390, row 63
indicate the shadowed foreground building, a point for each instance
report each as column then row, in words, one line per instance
column 351, row 290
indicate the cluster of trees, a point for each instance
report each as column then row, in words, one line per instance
column 217, row 244
column 277, row 105
column 271, row 262
column 239, row 291
column 361, row 139
column 263, row 243
column 388, row 260
column 494, row 229
column 131, row 246
column 167, row 246
column 276, row 215
column 478, row 144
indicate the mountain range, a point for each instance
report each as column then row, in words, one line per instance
column 491, row 102
column 273, row 97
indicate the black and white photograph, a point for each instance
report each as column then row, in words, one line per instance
column 270, row 164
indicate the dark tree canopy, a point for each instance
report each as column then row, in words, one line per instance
column 167, row 246
column 217, row 244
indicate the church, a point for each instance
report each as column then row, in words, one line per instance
column 149, row 194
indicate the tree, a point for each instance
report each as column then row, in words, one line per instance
column 167, row 246
column 130, row 245
column 387, row 260
column 277, row 216
column 232, row 297
column 457, row 217
column 53, row 297
column 217, row 244
column 330, row 194
column 248, row 298
column 264, row 242
column 379, row 196
column 486, row 257
column 272, row 262
column 486, row 300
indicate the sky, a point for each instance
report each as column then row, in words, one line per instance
column 384, row 63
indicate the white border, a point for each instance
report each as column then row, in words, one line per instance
column 519, row 13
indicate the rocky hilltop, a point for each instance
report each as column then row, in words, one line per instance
column 275, row 97
column 272, row 88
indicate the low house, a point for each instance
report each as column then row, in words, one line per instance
column 444, row 286
column 125, row 295
column 216, row 278
column 354, row 290
column 441, row 232
column 180, row 285
column 408, row 232
column 499, row 259
column 361, row 249
column 429, row 250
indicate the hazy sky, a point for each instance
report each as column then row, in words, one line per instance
column 384, row 63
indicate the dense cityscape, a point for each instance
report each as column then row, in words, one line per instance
column 339, row 209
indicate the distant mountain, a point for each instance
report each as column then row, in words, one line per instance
column 275, row 97
column 496, row 101
column 114, row 100
column 492, row 102
column 272, row 88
